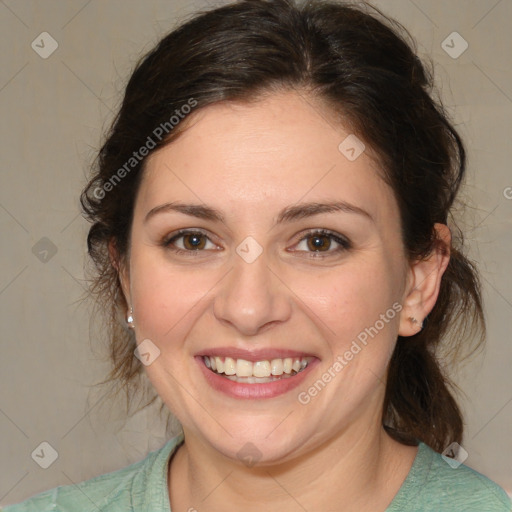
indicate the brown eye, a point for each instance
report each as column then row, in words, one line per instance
column 319, row 243
column 187, row 241
column 194, row 241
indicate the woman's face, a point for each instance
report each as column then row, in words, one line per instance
column 266, row 275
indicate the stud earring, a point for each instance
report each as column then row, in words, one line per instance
column 129, row 319
column 414, row 321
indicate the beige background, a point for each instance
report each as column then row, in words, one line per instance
column 53, row 112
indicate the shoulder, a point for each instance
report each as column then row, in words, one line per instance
column 115, row 491
column 434, row 484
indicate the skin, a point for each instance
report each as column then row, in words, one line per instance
column 250, row 161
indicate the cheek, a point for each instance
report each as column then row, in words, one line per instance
column 351, row 299
column 165, row 297
column 359, row 308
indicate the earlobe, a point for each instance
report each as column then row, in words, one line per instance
column 425, row 283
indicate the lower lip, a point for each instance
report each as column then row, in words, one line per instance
column 253, row 391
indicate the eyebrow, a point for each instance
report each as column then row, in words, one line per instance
column 288, row 214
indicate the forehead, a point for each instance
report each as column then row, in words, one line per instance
column 282, row 149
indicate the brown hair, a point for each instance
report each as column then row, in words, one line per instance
column 360, row 64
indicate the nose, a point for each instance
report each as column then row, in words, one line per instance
column 252, row 297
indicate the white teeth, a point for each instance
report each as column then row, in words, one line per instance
column 243, row 368
column 229, row 366
column 276, row 366
column 256, row 380
column 262, row 371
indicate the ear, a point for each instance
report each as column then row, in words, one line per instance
column 122, row 268
column 424, row 283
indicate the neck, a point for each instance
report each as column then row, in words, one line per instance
column 352, row 472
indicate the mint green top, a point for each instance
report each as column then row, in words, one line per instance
column 432, row 485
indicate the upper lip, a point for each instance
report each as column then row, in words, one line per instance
column 253, row 355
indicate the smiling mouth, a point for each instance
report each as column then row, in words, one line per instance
column 257, row 372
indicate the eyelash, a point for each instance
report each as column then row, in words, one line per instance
column 343, row 243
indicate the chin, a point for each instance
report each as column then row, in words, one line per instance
column 256, row 442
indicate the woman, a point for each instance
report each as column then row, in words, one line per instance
column 270, row 216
